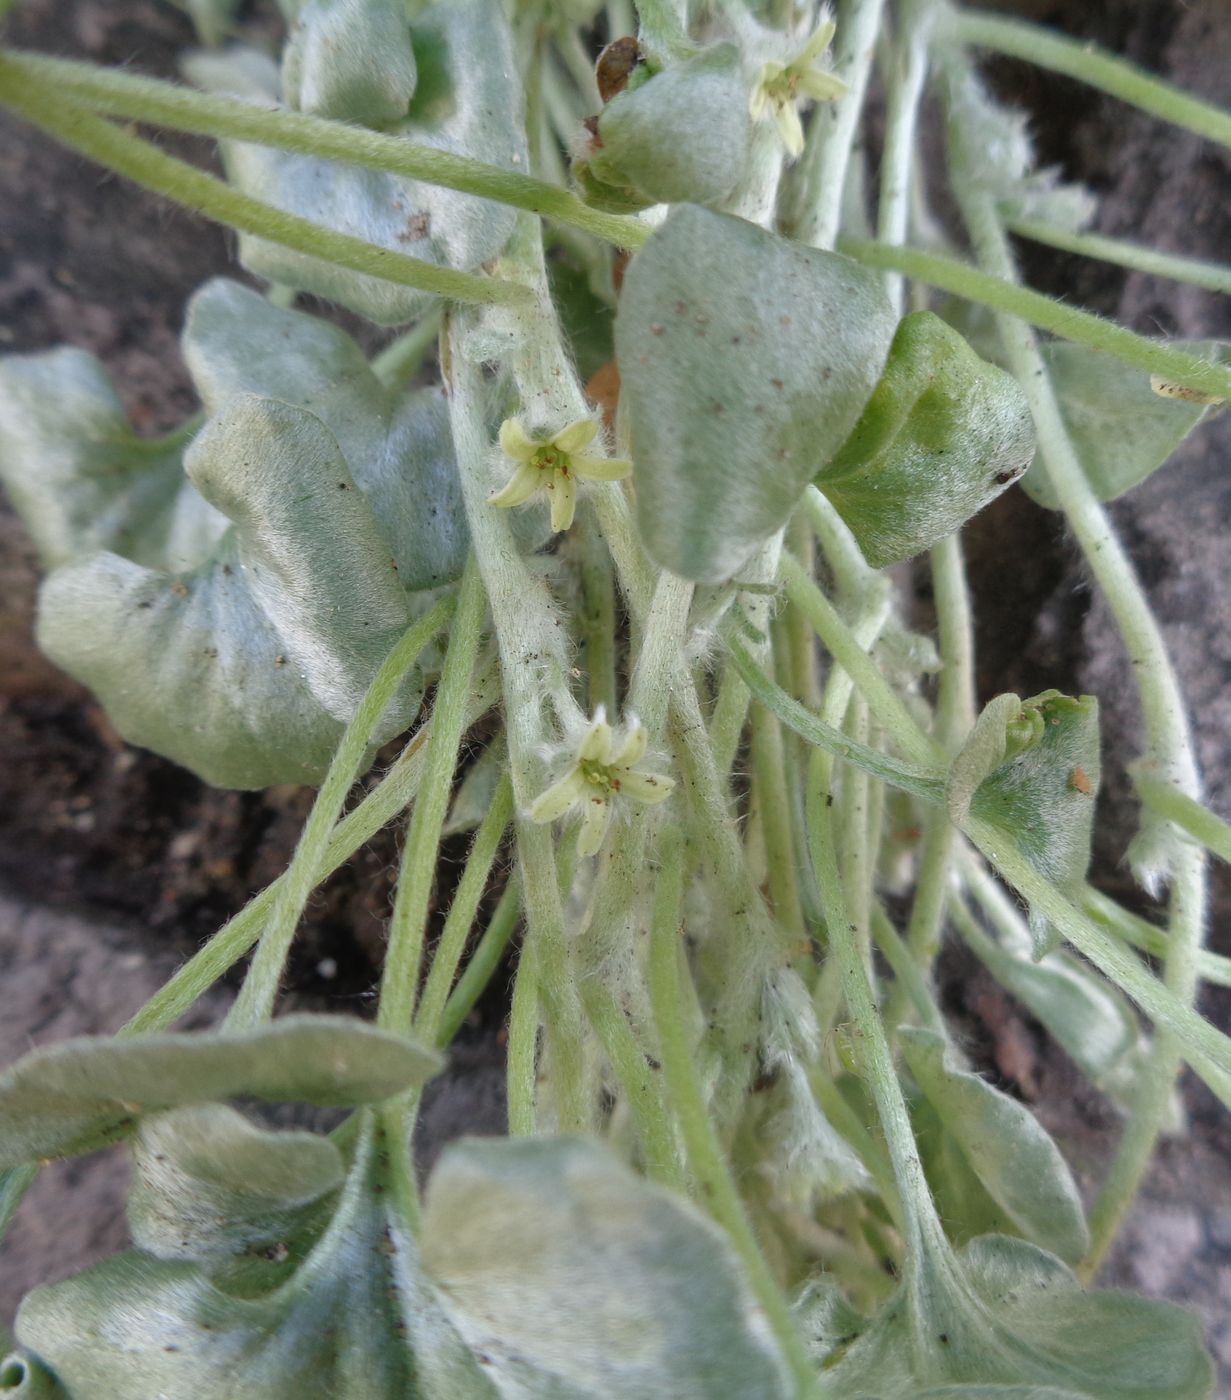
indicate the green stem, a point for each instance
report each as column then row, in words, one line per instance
column 906, row 971
column 908, row 67
column 396, row 790
column 124, row 95
column 639, row 1078
column 1140, row 933
column 774, row 804
column 927, row 783
column 256, row 998
column 1208, row 1051
column 951, row 275
column 481, row 966
column 842, row 644
column 1214, row 277
column 1081, row 60
column 521, row 1067
column 403, row 958
column 834, row 124
column 598, row 618
column 142, row 162
column 1169, row 749
column 462, row 910
column 401, row 360
column 687, row 1098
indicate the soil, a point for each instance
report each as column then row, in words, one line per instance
column 115, row 865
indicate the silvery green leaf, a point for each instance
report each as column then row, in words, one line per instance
column 69, row 1097
column 943, row 434
column 339, row 1307
column 246, row 668
column 351, row 60
column 580, row 1280
column 1121, row 430
column 474, row 797
column 467, row 102
column 745, row 361
column 1040, row 793
column 1008, row 1149
column 82, row 480
column 1004, row 1313
column 398, row 445
column 208, row 1185
column 826, row 1321
column 683, row 135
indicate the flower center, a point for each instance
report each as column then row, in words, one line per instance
column 550, row 459
column 598, row 775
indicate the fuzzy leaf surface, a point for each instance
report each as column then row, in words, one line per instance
column 246, row 668
column 1004, row 1313
column 1007, row 1148
column 580, row 1280
column 339, row 1307
column 73, row 1096
column 943, row 434
column 351, row 60
column 745, row 362
column 1121, row 429
column 467, row 101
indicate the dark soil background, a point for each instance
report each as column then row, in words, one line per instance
column 115, row 865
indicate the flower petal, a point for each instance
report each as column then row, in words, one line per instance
column 516, row 442
column 524, row 482
column 645, row 787
column 596, row 746
column 576, row 435
column 634, row 746
column 821, row 86
column 594, row 825
column 552, row 804
column 815, row 46
column 601, row 468
column 563, row 490
column 790, row 128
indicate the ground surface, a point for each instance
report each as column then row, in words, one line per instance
column 114, row 864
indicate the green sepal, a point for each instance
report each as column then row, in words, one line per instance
column 75, row 1096
column 351, row 60
column 580, row 1280
column 1004, row 1313
column 337, row 1307
column 467, row 102
column 601, row 194
column 247, row 668
column 1031, row 769
column 745, row 361
column 1121, row 430
column 1006, row 1147
column 943, row 434
column 682, row 135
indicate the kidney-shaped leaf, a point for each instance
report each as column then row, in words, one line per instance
column 943, row 434
column 467, row 102
column 1121, row 429
column 745, row 361
column 580, row 1280
column 1008, row 1149
column 65, row 1098
column 1004, row 1313
column 681, row 136
column 247, row 668
column 350, row 59
column 338, row 1307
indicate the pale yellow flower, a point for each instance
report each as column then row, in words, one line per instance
column 602, row 772
column 780, row 87
column 554, row 465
